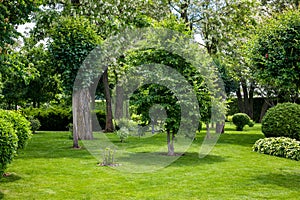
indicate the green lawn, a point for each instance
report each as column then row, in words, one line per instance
column 50, row 169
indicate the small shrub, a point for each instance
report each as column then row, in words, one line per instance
column 278, row 146
column 20, row 124
column 35, row 124
column 282, row 120
column 129, row 124
column 8, row 144
column 108, row 157
column 240, row 120
column 123, row 133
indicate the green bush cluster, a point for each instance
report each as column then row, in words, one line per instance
column 20, row 124
column 278, row 146
column 240, row 120
column 54, row 118
column 282, row 120
column 14, row 133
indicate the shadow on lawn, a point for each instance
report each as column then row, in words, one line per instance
column 187, row 159
column 239, row 139
column 287, row 180
column 9, row 178
column 1, row 195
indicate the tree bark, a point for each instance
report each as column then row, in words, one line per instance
column 240, row 100
column 245, row 101
column 170, row 143
column 251, row 95
column 82, row 121
column 109, row 127
column 119, row 102
column 246, row 97
column 220, row 127
column 208, row 136
column 264, row 109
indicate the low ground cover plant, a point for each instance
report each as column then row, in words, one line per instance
column 278, row 146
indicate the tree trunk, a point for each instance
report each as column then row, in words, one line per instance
column 208, row 131
column 245, row 95
column 109, row 127
column 220, row 127
column 170, row 144
column 119, row 102
column 82, row 121
column 245, row 101
column 250, row 101
column 240, row 100
column 264, row 109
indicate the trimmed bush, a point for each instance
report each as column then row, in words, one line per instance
column 54, row 118
column 20, row 124
column 278, row 146
column 8, row 144
column 282, row 120
column 240, row 120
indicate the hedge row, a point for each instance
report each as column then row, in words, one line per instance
column 14, row 134
column 57, row 118
column 278, row 146
column 54, row 118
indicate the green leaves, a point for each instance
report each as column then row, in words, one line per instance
column 278, row 146
column 240, row 120
column 72, row 41
column 282, row 120
column 275, row 51
column 8, row 144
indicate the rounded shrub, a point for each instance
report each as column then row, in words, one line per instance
column 8, row 144
column 240, row 120
column 282, row 120
column 21, row 125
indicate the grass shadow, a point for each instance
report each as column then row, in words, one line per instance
column 239, row 139
column 287, row 180
column 1, row 195
column 9, row 178
column 186, row 159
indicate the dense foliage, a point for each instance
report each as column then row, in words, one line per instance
column 275, row 53
column 72, row 40
column 240, row 120
column 282, row 120
column 8, row 144
column 54, row 118
column 20, row 124
column 279, row 146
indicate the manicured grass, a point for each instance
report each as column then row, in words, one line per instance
column 50, row 169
